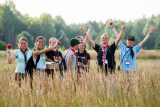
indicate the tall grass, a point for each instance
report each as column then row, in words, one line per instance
column 142, row 88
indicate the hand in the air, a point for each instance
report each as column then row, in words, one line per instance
column 152, row 29
column 124, row 26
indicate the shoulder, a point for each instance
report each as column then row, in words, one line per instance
column 88, row 56
column 16, row 52
column 30, row 51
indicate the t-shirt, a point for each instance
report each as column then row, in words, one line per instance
column 54, row 56
column 128, row 63
column 41, row 63
column 109, row 56
column 21, row 61
column 73, row 63
column 82, row 59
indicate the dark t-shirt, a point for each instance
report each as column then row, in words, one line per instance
column 109, row 56
column 52, row 55
column 82, row 58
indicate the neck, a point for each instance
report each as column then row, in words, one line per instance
column 104, row 45
column 55, row 49
column 74, row 48
column 129, row 46
column 23, row 49
column 39, row 49
column 81, row 51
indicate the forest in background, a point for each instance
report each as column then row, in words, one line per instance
column 14, row 25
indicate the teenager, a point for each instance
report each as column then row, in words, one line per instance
column 105, row 51
column 128, row 53
column 54, row 54
column 21, row 55
column 41, row 65
column 83, row 58
column 70, row 56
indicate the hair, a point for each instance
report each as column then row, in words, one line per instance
column 51, row 40
column 101, row 37
column 72, row 45
column 79, row 37
column 20, row 39
column 39, row 37
column 83, row 43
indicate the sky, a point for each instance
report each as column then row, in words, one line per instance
column 82, row 11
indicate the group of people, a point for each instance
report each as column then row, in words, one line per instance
column 77, row 59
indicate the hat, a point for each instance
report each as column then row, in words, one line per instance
column 131, row 38
column 74, row 41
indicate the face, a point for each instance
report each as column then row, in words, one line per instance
column 130, row 43
column 40, row 43
column 23, row 44
column 80, row 39
column 53, row 42
column 81, row 47
column 104, row 39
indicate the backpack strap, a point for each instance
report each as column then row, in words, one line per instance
column 124, row 56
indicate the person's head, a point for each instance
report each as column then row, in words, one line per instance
column 80, row 38
column 52, row 41
column 74, row 43
column 82, row 46
column 23, row 43
column 104, row 39
column 39, row 42
column 130, row 41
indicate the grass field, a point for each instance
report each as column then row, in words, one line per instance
column 93, row 89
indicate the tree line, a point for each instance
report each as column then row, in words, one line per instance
column 13, row 25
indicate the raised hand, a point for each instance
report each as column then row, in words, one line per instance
column 111, row 23
column 82, row 29
column 124, row 26
column 152, row 29
column 90, row 27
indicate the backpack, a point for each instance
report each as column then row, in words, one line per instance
column 30, row 65
column 62, row 64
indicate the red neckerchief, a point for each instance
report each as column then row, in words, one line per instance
column 73, row 51
column 103, row 56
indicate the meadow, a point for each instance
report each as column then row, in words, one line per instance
column 142, row 88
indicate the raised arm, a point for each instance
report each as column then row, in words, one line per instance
column 86, row 35
column 88, row 32
column 9, row 58
column 152, row 29
column 121, row 33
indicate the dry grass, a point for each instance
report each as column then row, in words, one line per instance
column 143, row 88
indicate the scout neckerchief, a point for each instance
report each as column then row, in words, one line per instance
column 42, row 55
column 104, row 49
column 25, row 55
column 132, row 53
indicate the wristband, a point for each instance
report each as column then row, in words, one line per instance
column 111, row 27
column 150, row 33
column 84, row 34
column 8, row 52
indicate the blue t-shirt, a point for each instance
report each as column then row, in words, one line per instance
column 132, row 62
column 21, row 61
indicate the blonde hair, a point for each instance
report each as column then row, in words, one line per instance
column 20, row 39
column 51, row 40
column 39, row 37
column 79, row 37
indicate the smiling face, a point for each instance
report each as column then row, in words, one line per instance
column 53, row 42
column 23, row 44
column 104, row 39
column 81, row 47
column 40, row 43
column 130, row 43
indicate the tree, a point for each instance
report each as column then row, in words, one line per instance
column 28, row 36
